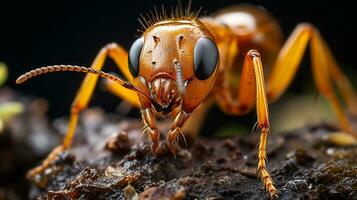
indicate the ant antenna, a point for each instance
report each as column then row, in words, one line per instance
column 63, row 68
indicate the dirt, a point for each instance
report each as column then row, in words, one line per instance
column 110, row 159
column 24, row 141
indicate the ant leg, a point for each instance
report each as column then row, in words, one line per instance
column 81, row 101
column 175, row 130
column 252, row 92
column 149, row 121
column 242, row 102
column 122, row 93
column 120, row 57
column 253, row 60
column 194, row 123
column 324, row 67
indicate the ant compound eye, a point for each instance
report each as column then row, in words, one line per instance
column 134, row 56
column 205, row 58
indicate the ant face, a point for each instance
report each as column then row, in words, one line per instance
column 171, row 57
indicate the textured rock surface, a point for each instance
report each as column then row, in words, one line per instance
column 110, row 160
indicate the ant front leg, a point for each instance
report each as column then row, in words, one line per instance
column 150, row 124
column 175, row 130
column 251, row 92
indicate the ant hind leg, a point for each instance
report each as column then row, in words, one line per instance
column 325, row 72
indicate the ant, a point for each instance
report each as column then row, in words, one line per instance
column 182, row 63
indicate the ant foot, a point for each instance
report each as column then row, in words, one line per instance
column 154, row 147
column 40, row 174
column 172, row 148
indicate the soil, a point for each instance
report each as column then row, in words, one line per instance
column 110, row 159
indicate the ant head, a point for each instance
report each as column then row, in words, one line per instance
column 174, row 56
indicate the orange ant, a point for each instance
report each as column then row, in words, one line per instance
column 182, row 62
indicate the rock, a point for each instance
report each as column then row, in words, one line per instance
column 111, row 159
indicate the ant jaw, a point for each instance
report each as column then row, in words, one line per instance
column 157, row 106
column 166, row 109
column 164, row 94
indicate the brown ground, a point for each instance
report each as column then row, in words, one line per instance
column 109, row 161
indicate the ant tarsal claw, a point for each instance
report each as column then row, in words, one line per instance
column 172, row 148
column 171, row 141
column 40, row 174
column 154, row 147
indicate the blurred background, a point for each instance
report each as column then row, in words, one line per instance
column 35, row 34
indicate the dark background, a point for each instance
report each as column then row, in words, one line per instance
column 35, row 34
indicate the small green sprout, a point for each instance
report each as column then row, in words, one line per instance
column 3, row 73
column 7, row 109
